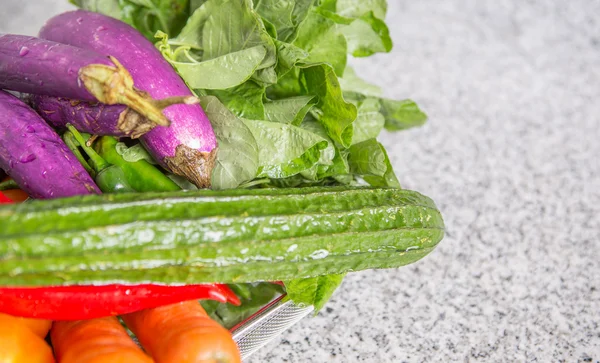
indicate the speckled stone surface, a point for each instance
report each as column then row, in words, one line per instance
column 510, row 154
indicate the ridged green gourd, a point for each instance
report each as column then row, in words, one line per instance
column 214, row 236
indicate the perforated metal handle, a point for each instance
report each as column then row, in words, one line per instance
column 267, row 324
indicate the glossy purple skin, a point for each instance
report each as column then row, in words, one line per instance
column 149, row 70
column 97, row 118
column 33, row 154
column 38, row 66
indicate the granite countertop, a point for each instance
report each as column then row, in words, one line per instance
column 511, row 156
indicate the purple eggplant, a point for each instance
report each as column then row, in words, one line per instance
column 38, row 66
column 188, row 146
column 93, row 118
column 33, row 154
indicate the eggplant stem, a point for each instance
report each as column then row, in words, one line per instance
column 114, row 85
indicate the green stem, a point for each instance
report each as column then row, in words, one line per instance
column 73, row 145
column 95, row 160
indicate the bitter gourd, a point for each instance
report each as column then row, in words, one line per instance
column 214, row 236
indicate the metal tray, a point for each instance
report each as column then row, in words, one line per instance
column 266, row 324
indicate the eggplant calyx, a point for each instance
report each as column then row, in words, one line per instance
column 114, row 85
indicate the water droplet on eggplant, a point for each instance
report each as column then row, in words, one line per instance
column 27, row 158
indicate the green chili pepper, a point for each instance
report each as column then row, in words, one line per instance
column 109, row 178
column 141, row 175
column 8, row 184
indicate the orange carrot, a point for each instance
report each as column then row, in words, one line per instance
column 39, row 327
column 94, row 341
column 182, row 333
column 18, row 344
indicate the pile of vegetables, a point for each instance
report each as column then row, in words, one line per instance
column 213, row 150
column 272, row 77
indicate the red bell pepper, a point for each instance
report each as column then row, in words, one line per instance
column 87, row 302
column 4, row 199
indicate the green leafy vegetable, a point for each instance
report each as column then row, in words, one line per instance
column 276, row 12
column 288, row 55
column 147, row 16
column 400, row 115
column 370, row 160
column 314, row 291
column 223, row 44
column 336, row 115
column 369, row 121
column 289, row 110
column 355, row 8
column 245, row 100
column 331, row 161
column 285, row 15
column 320, row 37
column 285, row 150
column 354, row 87
column 331, row 110
column 367, row 35
column 220, row 27
column 223, row 72
column 237, row 156
column 362, row 24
